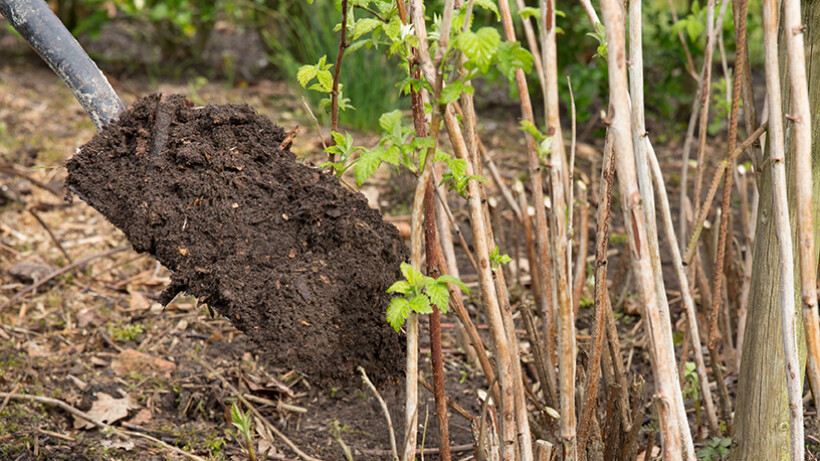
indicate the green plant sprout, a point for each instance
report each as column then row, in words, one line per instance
column 496, row 259
column 324, row 82
column 600, row 36
column 125, row 333
column 543, row 143
column 691, row 387
column 716, row 449
column 243, row 425
column 419, row 294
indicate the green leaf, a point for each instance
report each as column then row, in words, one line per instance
column 325, row 79
column 364, row 26
column 441, row 156
column 305, row 74
column 423, row 142
column 439, row 295
column 421, row 304
column 458, row 166
column 389, row 120
column 452, row 92
column 512, row 56
column 454, row 281
column 367, row 165
column 412, row 275
column 390, row 155
column 479, row 47
column 529, row 12
column 397, row 312
column 356, row 45
column 527, row 127
column 489, row 5
column 338, row 138
column 402, row 286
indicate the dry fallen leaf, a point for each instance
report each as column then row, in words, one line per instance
column 34, row 349
column 132, row 361
column 137, row 300
column 143, row 416
column 106, row 409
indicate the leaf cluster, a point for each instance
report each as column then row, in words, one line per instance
column 419, row 293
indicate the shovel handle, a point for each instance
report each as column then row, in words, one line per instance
column 41, row 28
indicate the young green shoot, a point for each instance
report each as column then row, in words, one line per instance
column 419, row 293
column 243, row 424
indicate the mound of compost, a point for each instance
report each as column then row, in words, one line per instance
column 283, row 250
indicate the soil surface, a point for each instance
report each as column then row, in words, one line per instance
column 281, row 249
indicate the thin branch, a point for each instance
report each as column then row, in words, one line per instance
column 717, row 290
column 377, row 15
column 50, row 234
column 640, row 143
column 601, row 295
column 386, row 411
column 686, row 295
column 60, row 272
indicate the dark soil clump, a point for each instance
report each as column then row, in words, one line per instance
column 292, row 258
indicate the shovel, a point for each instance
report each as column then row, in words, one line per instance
column 281, row 249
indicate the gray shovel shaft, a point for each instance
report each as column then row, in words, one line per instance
column 41, row 28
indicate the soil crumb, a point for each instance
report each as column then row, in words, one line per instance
column 283, row 250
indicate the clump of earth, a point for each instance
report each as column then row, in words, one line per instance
column 291, row 257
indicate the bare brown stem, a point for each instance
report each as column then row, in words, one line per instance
column 717, row 291
column 664, row 369
column 601, row 296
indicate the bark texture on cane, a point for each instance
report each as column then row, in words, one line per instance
column 664, row 370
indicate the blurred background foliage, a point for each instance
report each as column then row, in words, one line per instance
column 246, row 40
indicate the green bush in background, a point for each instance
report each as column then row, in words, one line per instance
column 296, row 33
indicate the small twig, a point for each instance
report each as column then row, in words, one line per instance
column 542, row 366
column 59, row 272
column 288, row 141
column 377, row 15
column 386, row 412
column 482, row 425
column 336, row 432
column 8, row 397
column 280, row 405
column 690, row 64
column 50, row 234
column 443, row 200
column 315, row 122
column 426, row 451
